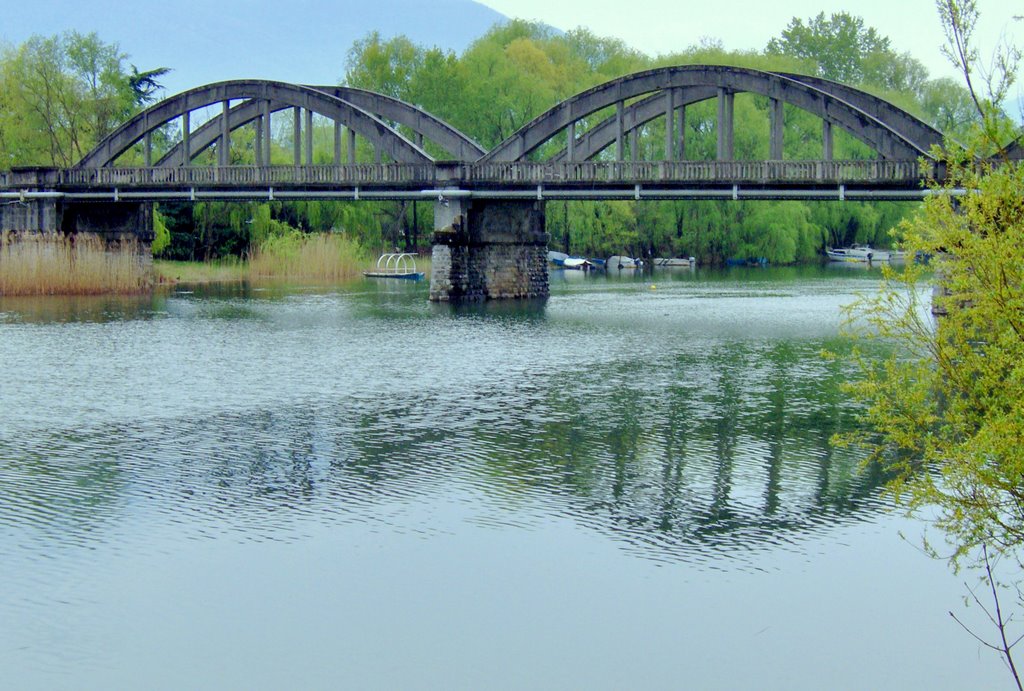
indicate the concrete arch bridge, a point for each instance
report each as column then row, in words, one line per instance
column 489, row 214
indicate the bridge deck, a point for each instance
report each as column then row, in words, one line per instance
column 578, row 180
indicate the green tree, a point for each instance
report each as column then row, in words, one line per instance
column 947, row 105
column 894, row 72
column 386, row 67
column 946, row 409
column 838, row 44
column 64, row 93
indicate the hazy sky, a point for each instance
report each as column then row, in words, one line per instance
column 665, row 26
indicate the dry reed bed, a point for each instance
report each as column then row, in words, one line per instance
column 53, row 264
column 322, row 257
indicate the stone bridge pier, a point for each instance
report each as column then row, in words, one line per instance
column 488, row 249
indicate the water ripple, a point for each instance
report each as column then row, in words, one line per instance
column 681, row 426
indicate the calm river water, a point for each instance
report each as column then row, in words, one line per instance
column 627, row 487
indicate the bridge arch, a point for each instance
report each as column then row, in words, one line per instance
column 425, row 125
column 459, row 145
column 909, row 126
column 260, row 96
column 635, row 116
column 894, row 134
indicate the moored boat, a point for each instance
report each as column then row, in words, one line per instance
column 856, row 253
column 576, row 263
column 557, row 258
column 622, row 262
column 675, row 261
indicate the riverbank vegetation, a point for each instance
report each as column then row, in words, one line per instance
column 952, row 397
column 173, row 271
column 945, row 411
column 507, row 77
column 259, row 241
column 52, row 264
column 326, row 257
column 55, row 264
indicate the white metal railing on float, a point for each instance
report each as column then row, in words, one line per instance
column 395, row 265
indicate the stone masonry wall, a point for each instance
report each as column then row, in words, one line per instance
column 490, row 250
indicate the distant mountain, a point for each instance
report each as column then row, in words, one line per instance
column 304, row 41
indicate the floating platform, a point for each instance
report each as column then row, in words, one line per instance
column 396, row 265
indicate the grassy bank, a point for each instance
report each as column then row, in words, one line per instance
column 221, row 271
column 52, row 264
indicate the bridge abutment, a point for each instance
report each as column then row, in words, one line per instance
column 115, row 222
column 34, row 205
column 39, row 208
column 488, row 249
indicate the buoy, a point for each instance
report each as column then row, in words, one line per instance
column 654, row 287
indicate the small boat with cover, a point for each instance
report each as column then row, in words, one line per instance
column 856, row 253
column 618, row 261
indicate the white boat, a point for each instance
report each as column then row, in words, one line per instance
column 621, row 262
column 856, row 253
column 557, row 258
column 675, row 261
column 575, row 263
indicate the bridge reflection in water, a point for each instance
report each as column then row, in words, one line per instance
column 258, row 484
column 681, row 453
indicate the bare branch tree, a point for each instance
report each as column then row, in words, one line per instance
column 1004, row 647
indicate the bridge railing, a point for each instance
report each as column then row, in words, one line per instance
column 383, row 174
column 809, row 172
column 512, row 174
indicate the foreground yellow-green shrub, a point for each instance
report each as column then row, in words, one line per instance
column 53, row 264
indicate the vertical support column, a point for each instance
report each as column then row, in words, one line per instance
column 186, row 138
column 257, row 148
column 224, row 140
column 725, row 115
column 337, row 142
column 670, row 122
column 682, row 132
column 309, row 137
column 775, row 113
column 297, row 135
column 619, row 132
column 419, row 139
column 571, row 142
column 634, row 144
column 826, row 140
column 351, row 146
column 730, row 129
column 147, row 146
column 266, row 132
